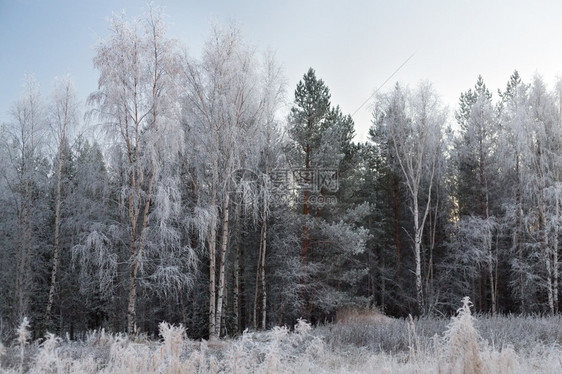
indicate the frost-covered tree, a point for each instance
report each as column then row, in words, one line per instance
column 474, row 252
column 542, row 147
column 477, row 180
column 384, row 188
column 331, row 235
column 91, row 270
column 62, row 117
column 306, row 127
column 475, row 151
column 137, row 102
column 413, row 122
column 225, row 106
column 512, row 111
column 270, row 154
column 530, row 155
column 26, row 180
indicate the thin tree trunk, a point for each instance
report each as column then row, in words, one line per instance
column 236, row 296
column 26, row 249
column 260, row 277
column 383, row 286
column 262, row 272
column 212, row 247
column 223, row 331
column 257, row 288
column 24, row 253
column 212, row 240
column 56, row 247
column 433, row 230
column 63, row 118
column 496, row 271
column 549, row 284
column 419, row 227
column 57, row 236
column 242, row 293
column 491, row 275
column 547, row 258
column 131, row 305
column 417, row 254
column 236, row 293
column 305, row 244
column 555, row 256
column 517, row 237
column 396, row 221
column 224, row 247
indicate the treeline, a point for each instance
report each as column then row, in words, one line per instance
column 200, row 204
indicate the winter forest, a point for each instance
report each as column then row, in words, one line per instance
column 182, row 192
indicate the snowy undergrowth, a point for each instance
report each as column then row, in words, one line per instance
column 458, row 348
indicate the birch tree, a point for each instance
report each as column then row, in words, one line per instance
column 531, row 158
column 137, row 102
column 224, row 106
column 24, row 145
column 272, row 93
column 63, row 117
column 512, row 114
column 542, row 158
column 414, row 123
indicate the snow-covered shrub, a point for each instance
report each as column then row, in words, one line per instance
column 48, row 360
column 459, row 350
column 23, row 335
column 463, row 343
column 173, row 344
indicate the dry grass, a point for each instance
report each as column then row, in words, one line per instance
column 463, row 343
column 361, row 341
column 357, row 315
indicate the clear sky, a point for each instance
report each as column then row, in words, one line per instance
column 354, row 46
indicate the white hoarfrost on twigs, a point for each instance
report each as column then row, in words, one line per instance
column 462, row 343
column 378, row 345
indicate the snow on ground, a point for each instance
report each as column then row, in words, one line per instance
column 355, row 344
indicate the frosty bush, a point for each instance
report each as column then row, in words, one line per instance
column 47, row 360
column 23, row 335
column 173, row 343
column 420, row 348
column 462, row 343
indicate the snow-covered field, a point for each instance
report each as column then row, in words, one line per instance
column 361, row 344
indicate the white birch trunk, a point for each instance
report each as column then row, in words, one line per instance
column 548, row 263
column 63, row 114
column 491, row 275
column 555, row 256
column 224, row 247
column 236, row 295
column 54, row 269
column 263, row 282
column 418, row 231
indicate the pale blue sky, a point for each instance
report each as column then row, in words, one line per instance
column 353, row 45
